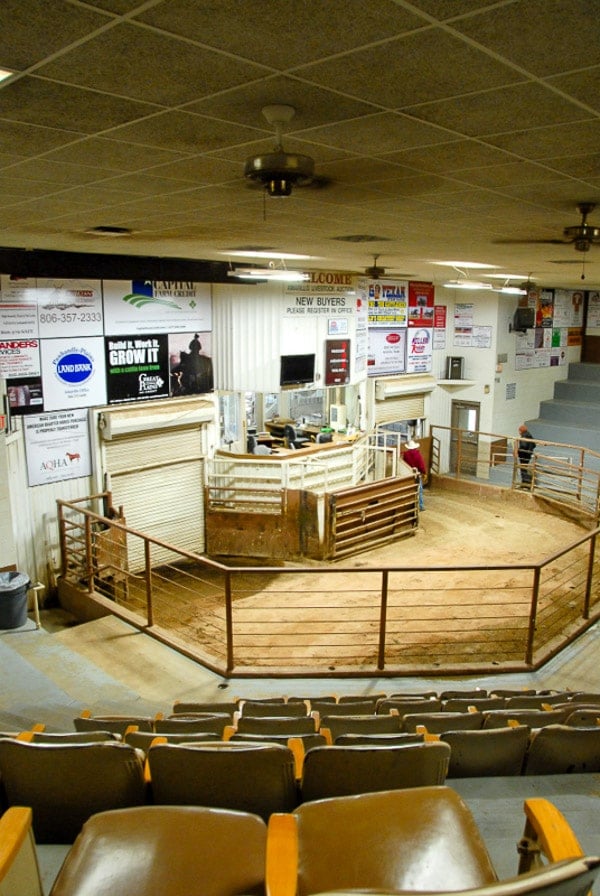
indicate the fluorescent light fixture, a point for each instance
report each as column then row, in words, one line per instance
column 512, row 290
column 5, row 73
column 269, row 274
column 467, row 284
column 466, row 265
column 264, row 253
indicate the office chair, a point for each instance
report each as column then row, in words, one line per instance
column 292, row 439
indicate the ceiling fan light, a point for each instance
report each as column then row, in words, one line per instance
column 279, row 187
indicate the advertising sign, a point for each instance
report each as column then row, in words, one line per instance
column 73, row 373
column 19, row 357
column 18, row 308
column 387, row 351
column 421, row 298
column 388, row 303
column 419, row 351
column 57, row 447
column 156, row 306
column 137, row 368
column 73, row 306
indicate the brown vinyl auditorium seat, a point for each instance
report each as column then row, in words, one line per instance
column 560, row 749
column 115, row 724
column 181, row 707
column 436, row 722
column 343, row 770
column 419, row 840
column 68, row 737
column 371, row 724
column 403, row 706
column 487, row 753
column 166, row 850
column 276, row 725
column 65, row 784
column 256, row 778
column 205, row 724
column 260, row 708
column 347, row 708
column 534, row 718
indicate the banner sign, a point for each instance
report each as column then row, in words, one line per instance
column 57, row 447
column 137, row 368
column 156, row 306
column 73, row 373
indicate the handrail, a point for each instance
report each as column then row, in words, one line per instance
column 379, row 628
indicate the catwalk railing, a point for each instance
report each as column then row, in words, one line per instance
column 564, row 474
column 331, row 620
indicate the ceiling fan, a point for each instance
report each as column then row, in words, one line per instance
column 279, row 171
column 582, row 236
column 376, row 272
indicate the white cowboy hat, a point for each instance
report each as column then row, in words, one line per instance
column 410, row 444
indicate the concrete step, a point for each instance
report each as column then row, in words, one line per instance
column 578, row 390
column 583, row 371
column 559, row 431
column 572, row 413
column 60, row 682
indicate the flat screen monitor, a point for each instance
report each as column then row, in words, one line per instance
column 524, row 319
column 297, row 369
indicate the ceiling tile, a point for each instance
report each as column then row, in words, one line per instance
column 427, row 66
column 31, row 30
column 159, row 70
column 542, row 36
column 184, row 132
column 499, row 111
column 282, row 35
column 35, row 101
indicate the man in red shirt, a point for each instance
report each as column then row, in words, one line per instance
column 413, row 457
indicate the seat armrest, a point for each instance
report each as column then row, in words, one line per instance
column 19, row 870
column 282, row 855
column 547, row 833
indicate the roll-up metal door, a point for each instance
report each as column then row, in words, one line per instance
column 402, row 407
column 158, row 479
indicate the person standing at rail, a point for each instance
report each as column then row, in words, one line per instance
column 413, row 457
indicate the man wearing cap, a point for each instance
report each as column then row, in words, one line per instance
column 413, row 457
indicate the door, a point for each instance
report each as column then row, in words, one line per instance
column 464, row 439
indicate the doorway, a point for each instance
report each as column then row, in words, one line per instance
column 464, row 438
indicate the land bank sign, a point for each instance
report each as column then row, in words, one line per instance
column 74, row 368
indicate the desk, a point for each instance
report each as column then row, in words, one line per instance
column 497, row 805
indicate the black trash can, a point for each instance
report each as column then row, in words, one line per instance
column 13, row 599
